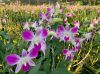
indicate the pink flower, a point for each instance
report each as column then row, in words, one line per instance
column 76, row 24
column 24, row 62
column 70, row 15
column 68, row 54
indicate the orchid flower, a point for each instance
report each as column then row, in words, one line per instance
column 44, row 16
column 71, row 15
column 24, row 62
column 50, row 11
column 66, row 34
column 68, row 54
column 76, row 24
column 77, row 44
column 36, row 39
column 88, row 35
column 36, row 26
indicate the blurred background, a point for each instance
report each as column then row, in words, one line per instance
column 39, row 2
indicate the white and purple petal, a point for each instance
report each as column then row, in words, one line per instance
column 31, row 63
column 18, row 68
column 12, row 59
column 43, row 47
column 24, row 53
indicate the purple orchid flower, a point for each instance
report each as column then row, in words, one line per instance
column 77, row 44
column 24, row 62
column 36, row 39
column 68, row 54
column 51, row 11
column 44, row 16
column 66, row 34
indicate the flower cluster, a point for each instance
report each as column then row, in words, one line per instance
column 37, row 39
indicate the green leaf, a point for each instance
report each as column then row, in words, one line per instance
column 63, row 64
column 61, row 71
column 41, row 72
column 36, row 68
column 46, row 66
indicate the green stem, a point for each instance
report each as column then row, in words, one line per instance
column 53, row 60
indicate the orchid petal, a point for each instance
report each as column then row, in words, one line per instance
column 31, row 63
column 26, row 26
column 66, row 38
column 48, row 9
column 18, row 68
column 78, row 47
column 61, row 28
column 76, row 24
column 73, row 49
column 31, row 46
column 24, row 53
column 12, row 59
column 70, row 57
column 37, row 46
column 74, row 30
column 33, row 53
column 25, row 67
column 65, row 52
column 67, row 28
column 27, row 35
column 66, row 57
column 44, row 33
column 43, row 47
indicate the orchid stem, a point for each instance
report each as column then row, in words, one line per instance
column 53, row 60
